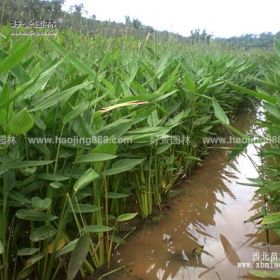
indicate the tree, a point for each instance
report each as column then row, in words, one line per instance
column 136, row 23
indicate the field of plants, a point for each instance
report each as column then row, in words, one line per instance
column 96, row 131
column 267, row 185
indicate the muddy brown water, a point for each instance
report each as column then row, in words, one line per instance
column 211, row 212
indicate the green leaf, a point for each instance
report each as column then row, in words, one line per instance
column 163, row 149
column 85, row 208
column 17, row 196
column 260, row 95
column 272, row 109
column 265, row 274
column 67, row 248
column 28, row 170
column 27, row 251
column 16, row 54
column 21, row 122
column 96, row 229
column 161, row 65
column 53, row 99
column 189, row 83
column 219, row 112
column 271, row 218
column 35, row 259
column 1, row 248
column 40, row 204
column 95, row 157
column 123, row 165
column 75, row 113
column 33, row 215
column 73, row 60
column 106, row 148
column 42, row 233
column 272, row 187
column 85, row 179
column 25, row 272
column 52, row 177
column 237, row 150
column 126, row 217
column 4, row 96
column 56, row 185
column 78, row 256
column 17, row 164
column 115, row 195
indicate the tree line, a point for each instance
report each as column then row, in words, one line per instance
column 79, row 19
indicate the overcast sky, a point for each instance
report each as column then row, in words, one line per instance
column 221, row 18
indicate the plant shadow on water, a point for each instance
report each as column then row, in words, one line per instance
column 210, row 213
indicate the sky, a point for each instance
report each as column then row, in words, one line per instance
column 221, row 18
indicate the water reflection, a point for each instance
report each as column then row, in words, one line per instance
column 210, row 213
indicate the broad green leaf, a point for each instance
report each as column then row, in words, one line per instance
column 21, row 122
column 161, row 65
column 126, row 217
column 272, row 109
column 78, row 256
column 271, row 218
column 77, row 111
column 42, row 233
column 16, row 164
column 219, row 112
column 20, row 90
column 106, row 148
column 52, row 177
column 27, row 251
column 85, row 179
column 260, row 95
column 265, row 274
column 189, row 83
column 115, row 195
column 163, row 148
column 4, row 96
column 56, row 185
column 96, row 229
column 237, row 150
column 123, row 165
column 40, row 204
column 269, row 187
column 28, row 170
column 34, row 259
column 34, row 215
column 73, row 59
column 85, row 208
column 25, row 272
column 42, row 80
column 116, row 129
column 57, row 97
column 67, row 248
column 95, row 157
column 15, row 56
column 17, row 196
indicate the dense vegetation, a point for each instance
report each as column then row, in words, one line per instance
column 267, row 184
column 64, row 204
column 130, row 106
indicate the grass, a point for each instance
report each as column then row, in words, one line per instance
column 63, row 205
